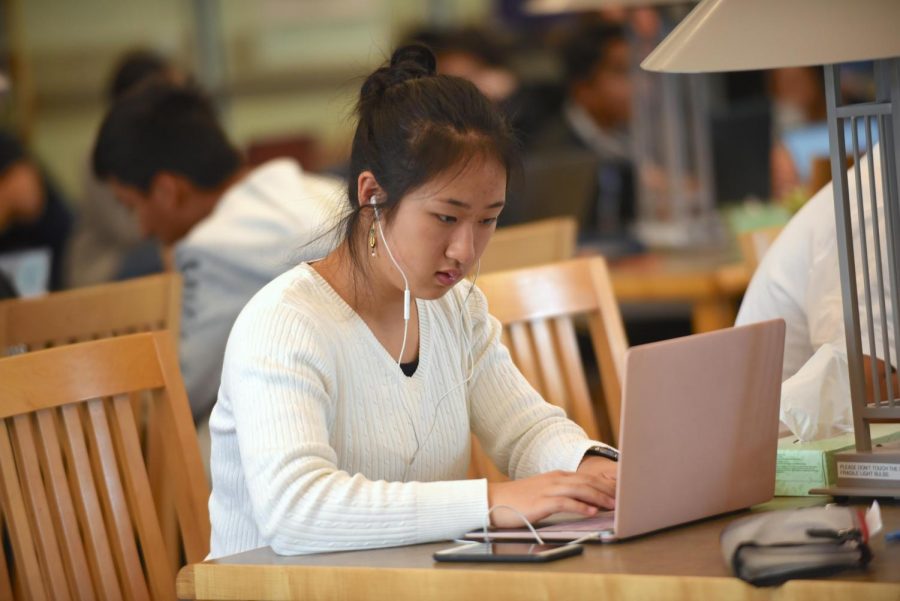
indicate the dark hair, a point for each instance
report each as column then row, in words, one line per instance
column 133, row 68
column 415, row 125
column 586, row 46
column 164, row 127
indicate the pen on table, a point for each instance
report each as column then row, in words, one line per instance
column 892, row 536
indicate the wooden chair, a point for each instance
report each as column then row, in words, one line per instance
column 94, row 312
column 537, row 307
column 90, row 313
column 73, row 481
column 528, row 244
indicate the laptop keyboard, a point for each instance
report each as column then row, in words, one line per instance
column 604, row 521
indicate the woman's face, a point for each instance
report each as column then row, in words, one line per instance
column 439, row 230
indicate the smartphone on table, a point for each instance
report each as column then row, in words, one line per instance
column 507, row 551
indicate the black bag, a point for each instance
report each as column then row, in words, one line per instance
column 776, row 546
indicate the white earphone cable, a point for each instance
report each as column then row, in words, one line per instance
column 406, row 312
column 470, row 370
column 420, row 444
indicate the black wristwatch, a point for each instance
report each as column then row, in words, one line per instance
column 598, row 451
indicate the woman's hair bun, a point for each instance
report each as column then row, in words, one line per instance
column 408, row 62
column 413, row 56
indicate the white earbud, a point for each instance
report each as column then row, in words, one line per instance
column 420, row 444
column 406, row 295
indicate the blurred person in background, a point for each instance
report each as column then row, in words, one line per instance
column 799, row 132
column 800, row 155
column 798, row 280
column 595, row 119
column 107, row 242
column 483, row 57
column 473, row 55
column 33, row 214
column 233, row 227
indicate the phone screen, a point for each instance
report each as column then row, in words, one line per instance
column 507, row 551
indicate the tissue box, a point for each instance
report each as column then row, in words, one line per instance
column 804, row 465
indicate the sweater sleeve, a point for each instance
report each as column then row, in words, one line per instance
column 523, row 434
column 280, row 380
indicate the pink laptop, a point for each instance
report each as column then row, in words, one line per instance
column 698, row 435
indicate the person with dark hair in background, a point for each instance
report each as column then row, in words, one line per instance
column 351, row 384
column 164, row 154
column 595, row 119
column 107, row 242
column 469, row 53
column 478, row 55
column 33, row 214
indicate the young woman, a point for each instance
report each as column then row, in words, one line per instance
column 351, row 384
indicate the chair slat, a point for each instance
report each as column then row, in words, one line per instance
column 506, row 340
column 524, row 356
column 41, row 522
column 65, row 518
column 609, row 367
column 28, row 573
column 161, row 483
column 579, row 406
column 114, row 503
column 87, row 505
column 548, row 363
column 159, row 572
column 171, row 405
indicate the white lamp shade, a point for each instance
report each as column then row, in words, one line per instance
column 549, row 7
column 738, row 35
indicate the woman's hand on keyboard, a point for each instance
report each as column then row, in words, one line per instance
column 540, row 496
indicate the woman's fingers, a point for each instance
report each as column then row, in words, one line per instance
column 585, row 495
column 589, row 489
column 556, row 492
column 568, row 505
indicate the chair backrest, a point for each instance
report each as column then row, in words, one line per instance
column 127, row 307
column 754, row 244
column 530, row 244
column 73, row 480
column 538, row 308
column 95, row 312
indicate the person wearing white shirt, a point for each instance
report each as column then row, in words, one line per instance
column 233, row 227
column 799, row 280
column 351, row 384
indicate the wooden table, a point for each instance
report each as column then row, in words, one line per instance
column 711, row 283
column 681, row 563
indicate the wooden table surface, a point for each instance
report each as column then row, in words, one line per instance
column 710, row 282
column 679, row 563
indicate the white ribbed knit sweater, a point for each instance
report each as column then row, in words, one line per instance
column 313, row 428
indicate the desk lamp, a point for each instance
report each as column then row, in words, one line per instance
column 671, row 139
column 559, row 6
column 733, row 35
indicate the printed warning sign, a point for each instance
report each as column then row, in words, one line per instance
column 868, row 471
